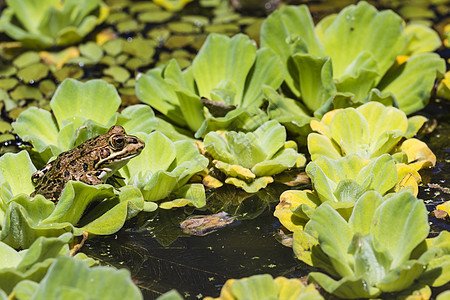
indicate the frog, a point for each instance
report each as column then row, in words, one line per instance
column 206, row 224
column 91, row 162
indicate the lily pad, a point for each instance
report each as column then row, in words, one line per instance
column 139, row 47
column 7, row 70
column 129, row 26
column 47, row 88
column 8, row 83
column 159, row 34
column 182, row 27
column 178, row 41
column 114, row 47
column 92, row 51
column 26, row 92
column 117, row 17
column 118, row 73
column 33, row 73
column 70, row 71
column 60, row 58
column 155, row 17
column 197, row 20
column 144, row 6
column 222, row 28
column 26, row 59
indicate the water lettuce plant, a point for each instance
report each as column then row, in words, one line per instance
column 45, row 271
column 443, row 89
column 228, row 72
column 82, row 110
column 380, row 130
column 51, row 22
column 367, row 257
column 351, row 58
column 249, row 160
column 164, row 169
column 257, row 287
column 32, row 263
column 70, row 278
column 23, row 218
column 340, row 183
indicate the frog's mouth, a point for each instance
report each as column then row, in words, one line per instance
column 110, row 165
column 115, row 160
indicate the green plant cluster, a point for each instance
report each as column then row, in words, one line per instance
column 353, row 78
column 365, row 184
column 49, row 23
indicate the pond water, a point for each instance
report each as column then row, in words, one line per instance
column 153, row 247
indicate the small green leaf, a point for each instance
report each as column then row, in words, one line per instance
column 408, row 215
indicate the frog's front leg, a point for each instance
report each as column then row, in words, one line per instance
column 92, row 177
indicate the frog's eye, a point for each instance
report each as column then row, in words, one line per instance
column 117, row 141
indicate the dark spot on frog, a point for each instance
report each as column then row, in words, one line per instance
column 104, row 153
column 58, row 165
column 85, row 167
column 73, row 162
column 66, row 174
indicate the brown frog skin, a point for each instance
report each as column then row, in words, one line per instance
column 91, row 162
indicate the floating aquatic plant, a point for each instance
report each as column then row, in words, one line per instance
column 443, row 89
column 249, row 160
column 228, row 72
column 259, row 287
column 51, row 22
column 352, row 58
column 164, row 169
column 82, row 110
column 340, row 183
column 367, row 257
column 370, row 131
column 32, row 264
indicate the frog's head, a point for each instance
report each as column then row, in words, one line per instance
column 118, row 149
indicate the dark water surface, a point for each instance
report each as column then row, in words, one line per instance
column 198, row 265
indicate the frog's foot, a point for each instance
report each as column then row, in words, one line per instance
column 78, row 246
column 92, row 177
column 113, row 181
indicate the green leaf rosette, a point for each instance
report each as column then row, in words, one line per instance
column 264, row 286
column 32, row 264
column 249, row 160
column 51, row 22
column 339, row 183
column 164, row 169
column 353, row 57
column 81, row 111
column 69, row 278
column 364, row 257
column 370, row 131
column 229, row 72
